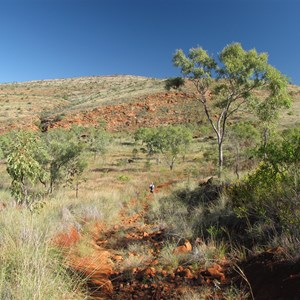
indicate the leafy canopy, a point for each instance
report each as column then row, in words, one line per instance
column 226, row 84
column 24, row 153
column 271, row 192
column 170, row 141
column 237, row 72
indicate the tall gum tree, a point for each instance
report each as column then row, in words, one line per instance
column 229, row 83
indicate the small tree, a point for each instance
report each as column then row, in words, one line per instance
column 174, row 83
column 148, row 137
column 170, row 141
column 267, row 108
column 64, row 150
column 74, row 173
column 97, row 141
column 23, row 151
column 271, row 192
column 238, row 74
column 243, row 136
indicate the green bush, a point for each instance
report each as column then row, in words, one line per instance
column 124, row 178
column 174, row 83
column 271, row 193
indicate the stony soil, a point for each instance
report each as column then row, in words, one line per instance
column 110, row 276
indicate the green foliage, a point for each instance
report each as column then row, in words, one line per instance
column 271, row 192
column 244, row 133
column 148, row 137
column 55, row 156
column 97, row 141
column 123, row 178
column 65, row 152
column 170, row 141
column 24, row 153
column 174, row 83
column 197, row 65
column 244, row 137
column 237, row 73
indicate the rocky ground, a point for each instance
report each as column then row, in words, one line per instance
column 125, row 262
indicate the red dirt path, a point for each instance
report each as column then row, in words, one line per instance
column 270, row 277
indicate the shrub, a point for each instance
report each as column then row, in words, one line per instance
column 174, row 83
column 123, row 178
column 24, row 153
column 272, row 191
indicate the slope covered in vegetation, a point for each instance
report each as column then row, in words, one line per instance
column 78, row 220
column 121, row 102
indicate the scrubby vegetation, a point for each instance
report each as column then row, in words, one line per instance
column 78, row 220
column 220, row 223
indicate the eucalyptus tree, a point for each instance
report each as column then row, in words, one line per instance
column 244, row 137
column 65, row 156
column 229, row 83
column 97, row 141
column 169, row 141
column 24, row 152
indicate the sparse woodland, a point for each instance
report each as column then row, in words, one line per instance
column 77, row 219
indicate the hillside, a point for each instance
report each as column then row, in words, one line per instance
column 123, row 102
column 25, row 102
column 101, row 234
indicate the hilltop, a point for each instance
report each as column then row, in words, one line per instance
column 122, row 102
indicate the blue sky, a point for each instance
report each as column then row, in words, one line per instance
column 44, row 39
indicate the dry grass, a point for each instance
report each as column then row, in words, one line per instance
column 27, row 100
column 30, row 267
column 22, row 103
column 28, row 262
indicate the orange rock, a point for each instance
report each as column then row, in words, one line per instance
column 188, row 273
column 217, row 272
column 67, row 239
column 151, row 251
column 150, row 271
column 186, row 247
column 118, row 258
column 179, row 269
column 276, row 250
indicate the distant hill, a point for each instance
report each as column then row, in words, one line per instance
column 123, row 102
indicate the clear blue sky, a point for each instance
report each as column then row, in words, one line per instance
column 44, row 39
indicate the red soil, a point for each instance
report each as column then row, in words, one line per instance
column 268, row 275
column 94, row 266
column 149, row 111
column 102, row 266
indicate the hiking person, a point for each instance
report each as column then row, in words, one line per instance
column 151, row 187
